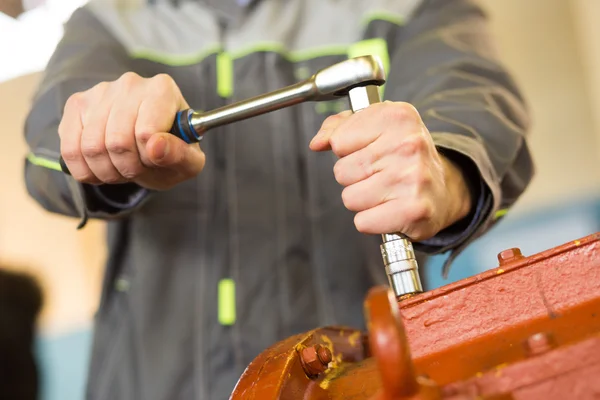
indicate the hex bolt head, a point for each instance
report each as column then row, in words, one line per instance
column 539, row 343
column 315, row 359
column 506, row 256
column 324, row 355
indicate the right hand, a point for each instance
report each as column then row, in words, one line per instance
column 117, row 132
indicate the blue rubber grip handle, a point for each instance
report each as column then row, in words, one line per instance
column 182, row 128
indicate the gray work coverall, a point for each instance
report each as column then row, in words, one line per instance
column 266, row 213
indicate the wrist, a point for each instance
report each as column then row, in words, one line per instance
column 459, row 195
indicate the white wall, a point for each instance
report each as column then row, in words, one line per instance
column 587, row 14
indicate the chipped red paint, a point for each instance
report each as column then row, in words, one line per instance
column 529, row 329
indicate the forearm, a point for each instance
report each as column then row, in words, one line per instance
column 471, row 107
column 86, row 56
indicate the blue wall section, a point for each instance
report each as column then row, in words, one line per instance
column 63, row 363
column 532, row 233
column 64, row 360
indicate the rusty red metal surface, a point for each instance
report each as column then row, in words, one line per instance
column 528, row 329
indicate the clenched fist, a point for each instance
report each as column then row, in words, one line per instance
column 393, row 175
column 117, row 132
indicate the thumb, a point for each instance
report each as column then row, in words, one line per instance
column 168, row 151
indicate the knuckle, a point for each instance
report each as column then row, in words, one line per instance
column 93, row 150
column 100, row 88
column 338, row 172
column 128, row 79
column 145, row 133
column 163, row 84
column 395, row 147
column 365, row 165
column 397, row 175
column 337, row 143
column 151, row 121
column 417, row 234
column 77, row 101
column 70, row 153
column 119, row 144
column 331, row 120
column 402, row 111
column 132, row 171
column 420, row 211
column 414, row 144
column 421, row 176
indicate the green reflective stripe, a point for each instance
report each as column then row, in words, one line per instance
column 273, row 47
column 43, row 162
column 224, row 75
column 395, row 19
column 226, row 302
column 180, row 60
column 375, row 47
column 501, row 213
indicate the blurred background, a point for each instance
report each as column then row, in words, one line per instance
column 552, row 48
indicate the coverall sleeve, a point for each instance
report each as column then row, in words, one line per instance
column 86, row 55
column 443, row 62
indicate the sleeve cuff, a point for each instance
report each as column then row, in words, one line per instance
column 453, row 236
column 471, row 158
column 115, row 198
column 106, row 201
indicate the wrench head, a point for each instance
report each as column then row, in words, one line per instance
column 337, row 80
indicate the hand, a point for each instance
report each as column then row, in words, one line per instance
column 393, row 175
column 117, row 132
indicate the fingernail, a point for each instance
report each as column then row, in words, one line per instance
column 161, row 149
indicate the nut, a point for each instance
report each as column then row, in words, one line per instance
column 538, row 343
column 315, row 359
column 506, row 256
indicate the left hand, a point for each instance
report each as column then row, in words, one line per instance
column 393, row 175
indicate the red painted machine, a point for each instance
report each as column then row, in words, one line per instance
column 528, row 329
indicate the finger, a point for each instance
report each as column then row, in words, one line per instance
column 368, row 193
column 359, row 166
column 69, row 131
column 388, row 118
column 93, row 145
column 156, row 113
column 321, row 140
column 120, row 138
column 395, row 217
column 168, row 151
column 357, row 132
